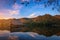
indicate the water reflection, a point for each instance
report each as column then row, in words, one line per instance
column 4, row 32
column 6, row 35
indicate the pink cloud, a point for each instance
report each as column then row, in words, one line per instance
column 10, row 13
column 13, row 12
column 26, row 0
column 16, row 6
column 3, row 15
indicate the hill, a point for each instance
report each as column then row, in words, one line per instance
column 46, row 24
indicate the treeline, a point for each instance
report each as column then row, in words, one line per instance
column 47, row 25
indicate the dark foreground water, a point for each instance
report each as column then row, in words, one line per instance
column 25, row 36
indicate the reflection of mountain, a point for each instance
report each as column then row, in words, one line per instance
column 27, row 36
column 15, row 22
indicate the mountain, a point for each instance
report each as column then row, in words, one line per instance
column 45, row 17
column 25, row 20
column 41, row 24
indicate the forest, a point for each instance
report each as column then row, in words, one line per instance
column 46, row 24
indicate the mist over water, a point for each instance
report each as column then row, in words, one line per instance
column 6, row 35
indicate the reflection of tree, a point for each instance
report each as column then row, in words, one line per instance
column 49, row 25
column 46, row 24
column 13, row 38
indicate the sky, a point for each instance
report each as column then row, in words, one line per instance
column 12, row 9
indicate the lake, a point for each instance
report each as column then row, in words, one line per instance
column 6, row 35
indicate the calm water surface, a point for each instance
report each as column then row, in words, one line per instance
column 6, row 35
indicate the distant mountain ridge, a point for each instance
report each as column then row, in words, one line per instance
column 25, row 20
column 46, row 24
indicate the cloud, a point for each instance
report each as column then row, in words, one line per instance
column 32, row 15
column 16, row 9
column 26, row 0
column 1, row 15
column 16, row 6
column 11, row 13
column 4, row 15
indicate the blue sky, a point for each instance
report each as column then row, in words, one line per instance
column 11, row 9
